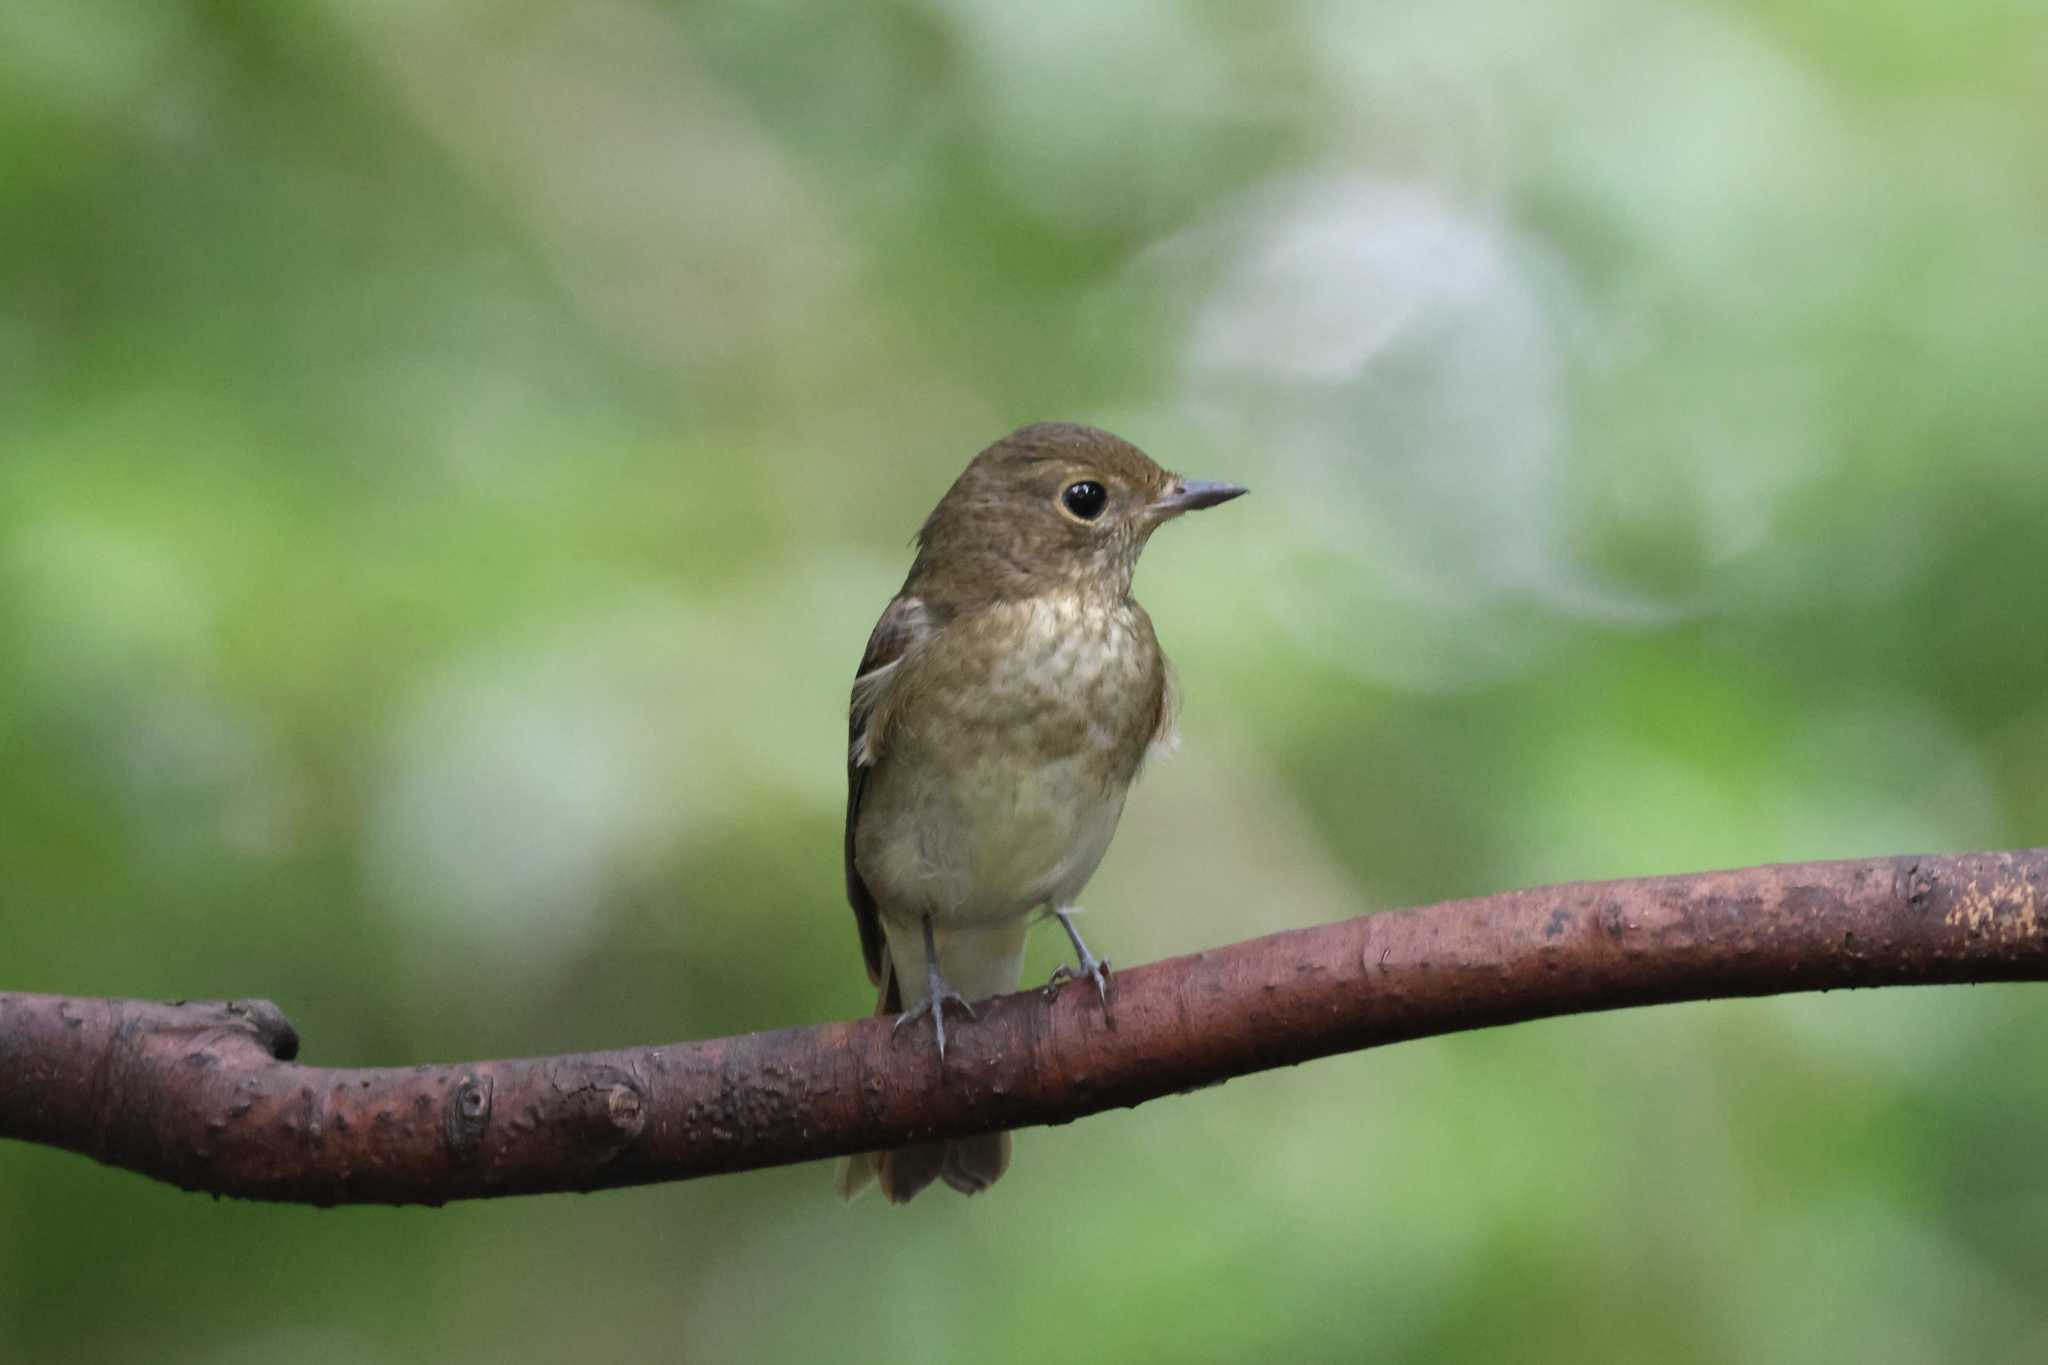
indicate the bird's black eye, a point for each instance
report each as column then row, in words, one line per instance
column 1085, row 499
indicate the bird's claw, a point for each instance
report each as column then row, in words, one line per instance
column 935, row 1006
column 1092, row 969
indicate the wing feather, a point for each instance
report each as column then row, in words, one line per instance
column 903, row 627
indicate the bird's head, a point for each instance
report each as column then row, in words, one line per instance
column 1054, row 506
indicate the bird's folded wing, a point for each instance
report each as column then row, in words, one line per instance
column 903, row 627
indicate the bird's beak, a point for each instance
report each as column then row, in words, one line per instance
column 1192, row 495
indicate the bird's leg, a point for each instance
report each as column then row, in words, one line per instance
column 1091, row 967
column 937, row 994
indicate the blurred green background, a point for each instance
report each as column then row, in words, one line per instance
column 451, row 456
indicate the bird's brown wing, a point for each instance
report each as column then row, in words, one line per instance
column 903, row 627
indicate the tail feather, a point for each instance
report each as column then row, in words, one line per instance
column 972, row 1164
column 902, row 1173
column 856, row 1173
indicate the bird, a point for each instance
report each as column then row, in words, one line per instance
column 1006, row 701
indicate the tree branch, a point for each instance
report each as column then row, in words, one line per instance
column 207, row 1096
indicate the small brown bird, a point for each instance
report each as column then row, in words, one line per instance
column 1006, row 701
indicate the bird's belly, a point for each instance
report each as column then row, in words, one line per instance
column 993, row 839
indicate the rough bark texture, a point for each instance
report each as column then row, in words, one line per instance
column 207, row 1095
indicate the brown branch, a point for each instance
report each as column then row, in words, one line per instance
column 206, row 1095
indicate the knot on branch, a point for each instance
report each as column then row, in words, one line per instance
column 468, row 1115
column 629, row 1114
column 214, row 1032
column 604, row 1104
column 269, row 1026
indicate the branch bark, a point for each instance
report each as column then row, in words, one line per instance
column 207, row 1095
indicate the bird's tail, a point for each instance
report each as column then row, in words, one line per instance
column 970, row 1164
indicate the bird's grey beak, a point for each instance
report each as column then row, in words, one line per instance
column 1192, row 495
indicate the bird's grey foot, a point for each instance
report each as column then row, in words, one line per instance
column 937, row 994
column 935, row 1006
column 1091, row 967
column 1095, row 971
